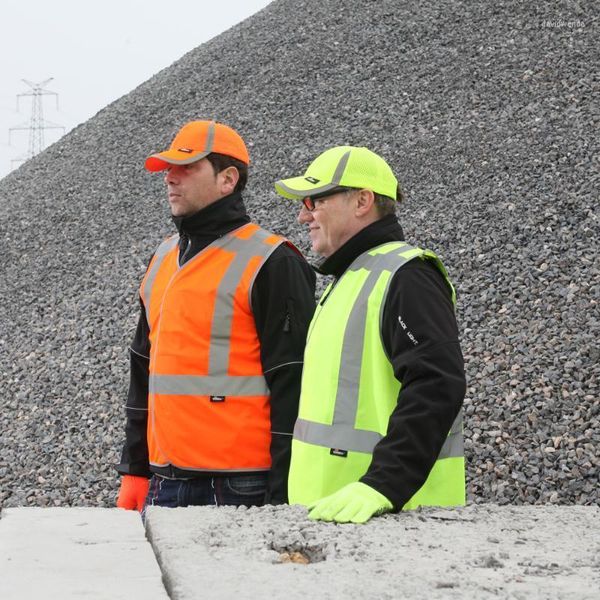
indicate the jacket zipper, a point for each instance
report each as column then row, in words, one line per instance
column 185, row 252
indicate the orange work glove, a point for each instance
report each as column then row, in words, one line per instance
column 133, row 492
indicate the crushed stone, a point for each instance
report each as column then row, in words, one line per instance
column 488, row 113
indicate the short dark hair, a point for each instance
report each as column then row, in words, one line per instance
column 220, row 162
column 386, row 205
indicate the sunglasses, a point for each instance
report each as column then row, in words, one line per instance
column 309, row 201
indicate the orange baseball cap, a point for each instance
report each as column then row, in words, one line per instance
column 198, row 139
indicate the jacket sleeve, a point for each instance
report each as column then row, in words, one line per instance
column 283, row 302
column 420, row 336
column 134, row 457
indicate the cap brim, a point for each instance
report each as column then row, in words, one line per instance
column 297, row 188
column 162, row 160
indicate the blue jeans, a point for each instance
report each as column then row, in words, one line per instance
column 220, row 490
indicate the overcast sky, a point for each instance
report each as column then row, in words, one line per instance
column 95, row 52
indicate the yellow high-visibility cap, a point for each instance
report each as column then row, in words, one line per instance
column 342, row 166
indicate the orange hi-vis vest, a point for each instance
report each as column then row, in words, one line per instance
column 208, row 400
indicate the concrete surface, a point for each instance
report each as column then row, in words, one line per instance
column 67, row 553
column 473, row 553
column 477, row 552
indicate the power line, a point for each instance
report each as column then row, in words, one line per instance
column 37, row 124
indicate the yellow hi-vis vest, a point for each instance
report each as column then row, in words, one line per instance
column 349, row 389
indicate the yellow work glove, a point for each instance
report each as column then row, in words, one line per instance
column 354, row 503
column 133, row 492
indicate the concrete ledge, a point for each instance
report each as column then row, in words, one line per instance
column 76, row 552
column 473, row 553
column 478, row 552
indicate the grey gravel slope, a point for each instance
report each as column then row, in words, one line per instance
column 487, row 113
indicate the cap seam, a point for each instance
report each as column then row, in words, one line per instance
column 340, row 168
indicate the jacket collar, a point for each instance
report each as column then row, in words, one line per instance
column 216, row 219
column 380, row 232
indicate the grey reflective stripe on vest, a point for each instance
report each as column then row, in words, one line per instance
column 360, row 440
column 159, row 256
column 205, row 385
column 454, row 446
column 220, row 331
column 346, row 401
column 391, row 261
column 342, row 433
column 340, row 436
column 218, row 382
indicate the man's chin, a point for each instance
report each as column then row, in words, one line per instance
column 177, row 212
column 317, row 249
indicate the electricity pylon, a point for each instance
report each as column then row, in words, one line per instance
column 37, row 125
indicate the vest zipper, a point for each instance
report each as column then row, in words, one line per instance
column 318, row 310
column 324, row 298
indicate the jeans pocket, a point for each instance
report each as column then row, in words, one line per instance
column 165, row 492
column 247, row 485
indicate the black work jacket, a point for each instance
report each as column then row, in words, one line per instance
column 431, row 371
column 283, row 304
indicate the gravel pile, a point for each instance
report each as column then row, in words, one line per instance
column 488, row 113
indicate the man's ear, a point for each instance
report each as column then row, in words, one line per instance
column 364, row 202
column 228, row 179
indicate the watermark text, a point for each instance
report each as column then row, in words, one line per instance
column 562, row 24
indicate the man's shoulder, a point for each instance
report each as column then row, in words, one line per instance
column 418, row 275
column 287, row 270
column 288, row 261
column 286, row 251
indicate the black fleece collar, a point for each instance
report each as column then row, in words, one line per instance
column 380, row 232
column 216, row 219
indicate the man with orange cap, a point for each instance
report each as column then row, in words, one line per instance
column 217, row 356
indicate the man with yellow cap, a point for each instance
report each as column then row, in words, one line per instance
column 380, row 421
column 217, row 355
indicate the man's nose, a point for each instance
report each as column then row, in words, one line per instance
column 171, row 175
column 304, row 216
